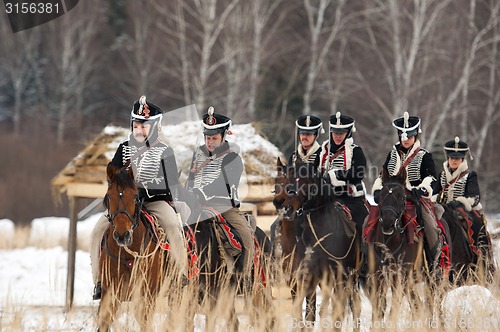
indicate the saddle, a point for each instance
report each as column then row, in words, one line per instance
column 227, row 235
column 471, row 223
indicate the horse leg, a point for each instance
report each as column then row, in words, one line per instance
column 377, row 294
column 107, row 310
column 311, row 306
column 354, row 302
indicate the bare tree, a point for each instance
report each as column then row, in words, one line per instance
column 17, row 51
column 262, row 12
column 480, row 40
column 71, row 39
column 491, row 90
column 319, row 26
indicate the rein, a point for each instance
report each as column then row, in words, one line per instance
column 138, row 207
column 135, row 219
column 318, row 241
column 398, row 212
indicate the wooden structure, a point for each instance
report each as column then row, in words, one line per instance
column 85, row 175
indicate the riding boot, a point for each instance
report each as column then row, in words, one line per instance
column 97, row 291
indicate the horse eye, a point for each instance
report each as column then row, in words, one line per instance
column 273, row 191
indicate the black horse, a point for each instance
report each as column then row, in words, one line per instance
column 470, row 257
column 327, row 248
column 395, row 246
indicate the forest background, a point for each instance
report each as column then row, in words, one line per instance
column 260, row 61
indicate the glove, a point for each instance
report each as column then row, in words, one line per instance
column 418, row 192
column 376, row 196
column 453, row 205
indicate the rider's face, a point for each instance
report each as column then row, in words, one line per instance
column 140, row 130
column 338, row 137
column 213, row 142
column 307, row 140
column 454, row 163
column 408, row 143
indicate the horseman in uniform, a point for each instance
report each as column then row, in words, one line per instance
column 408, row 155
column 458, row 187
column 307, row 130
column 214, row 178
column 343, row 165
column 155, row 173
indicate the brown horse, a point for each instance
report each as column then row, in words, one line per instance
column 326, row 246
column 395, row 246
column 283, row 231
column 132, row 262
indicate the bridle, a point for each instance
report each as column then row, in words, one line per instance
column 138, row 206
column 397, row 210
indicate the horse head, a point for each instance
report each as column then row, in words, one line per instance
column 280, row 183
column 303, row 186
column 122, row 203
column 392, row 202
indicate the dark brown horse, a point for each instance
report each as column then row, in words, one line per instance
column 132, row 261
column 327, row 248
column 395, row 246
column 216, row 273
column 283, row 232
column 470, row 256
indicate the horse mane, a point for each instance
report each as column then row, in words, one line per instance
column 124, row 179
column 400, row 177
column 123, row 176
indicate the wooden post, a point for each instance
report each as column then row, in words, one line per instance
column 70, row 281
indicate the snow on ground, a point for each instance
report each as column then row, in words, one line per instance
column 33, row 279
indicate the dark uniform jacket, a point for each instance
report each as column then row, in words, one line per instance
column 309, row 157
column 348, row 167
column 154, row 166
column 460, row 185
column 214, row 176
column 421, row 170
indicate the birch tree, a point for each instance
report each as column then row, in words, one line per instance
column 19, row 66
column 71, row 39
column 319, row 27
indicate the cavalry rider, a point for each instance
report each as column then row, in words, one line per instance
column 458, row 186
column 155, row 173
column 214, row 178
column 308, row 128
column 343, row 165
column 409, row 155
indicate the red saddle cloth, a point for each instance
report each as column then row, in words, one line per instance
column 409, row 223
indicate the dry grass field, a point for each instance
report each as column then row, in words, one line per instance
column 472, row 307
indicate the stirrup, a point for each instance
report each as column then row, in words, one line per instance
column 97, row 292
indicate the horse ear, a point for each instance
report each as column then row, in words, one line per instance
column 279, row 163
column 111, row 171
column 402, row 175
column 385, row 175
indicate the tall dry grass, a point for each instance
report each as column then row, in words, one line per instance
column 454, row 307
